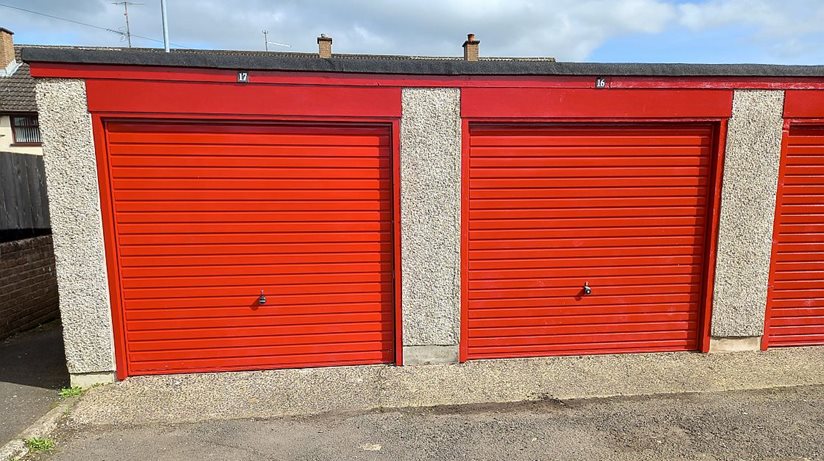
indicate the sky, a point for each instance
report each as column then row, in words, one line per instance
column 704, row 31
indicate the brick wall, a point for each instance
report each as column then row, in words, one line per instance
column 28, row 287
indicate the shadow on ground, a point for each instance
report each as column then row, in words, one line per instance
column 32, row 371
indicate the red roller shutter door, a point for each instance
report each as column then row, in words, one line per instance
column 796, row 300
column 622, row 208
column 207, row 215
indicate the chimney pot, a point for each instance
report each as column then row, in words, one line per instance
column 324, row 46
column 470, row 47
column 6, row 49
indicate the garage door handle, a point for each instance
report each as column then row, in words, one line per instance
column 587, row 288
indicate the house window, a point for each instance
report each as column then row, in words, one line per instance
column 25, row 129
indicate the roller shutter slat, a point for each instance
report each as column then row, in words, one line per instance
column 621, row 207
column 209, row 214
column 250, row 362
column 796, row 294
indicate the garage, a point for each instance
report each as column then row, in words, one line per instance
column 220, row 211
column 796, row 301
column 251, row 245
column 586, row 239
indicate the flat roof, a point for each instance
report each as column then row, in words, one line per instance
column 406, row 65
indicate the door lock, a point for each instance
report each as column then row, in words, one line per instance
column 262, row 298
column 587, row 288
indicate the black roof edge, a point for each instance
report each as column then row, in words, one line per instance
column 409, row 66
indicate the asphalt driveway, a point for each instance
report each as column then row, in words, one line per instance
column 772, row 424
column 32, row 371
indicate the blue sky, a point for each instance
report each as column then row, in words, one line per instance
column 712, row 31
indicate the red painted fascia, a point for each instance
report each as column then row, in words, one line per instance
column 804, row 104
column 527, row 103
column 203, row 98
column 120, row 72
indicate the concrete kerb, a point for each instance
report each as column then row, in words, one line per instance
column 43, row 427
column 267, row 394
column 87, row 380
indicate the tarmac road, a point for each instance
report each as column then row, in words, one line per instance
column 32, row 371
column 773, row 424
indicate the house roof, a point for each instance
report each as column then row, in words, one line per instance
column 411, row 65
column 17, row 90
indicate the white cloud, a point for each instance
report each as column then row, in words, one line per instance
column 785, row 28
column 566, row 29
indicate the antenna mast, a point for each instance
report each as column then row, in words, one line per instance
column 126, row 13
column 165, row 21
column 266, row 42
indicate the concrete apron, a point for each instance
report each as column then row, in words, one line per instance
column 266, row 394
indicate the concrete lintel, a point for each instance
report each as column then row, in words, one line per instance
column 85, row 380
column 742, row 344
column 427, row 355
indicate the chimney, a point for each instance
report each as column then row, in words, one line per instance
column 325, row 46
column 470, row 47
column 6, row 50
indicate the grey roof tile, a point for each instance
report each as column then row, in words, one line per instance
column 17, row 90
column 408, row 65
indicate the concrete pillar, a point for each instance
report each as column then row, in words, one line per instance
column 746, row 223
column 74, row 205
column 430, row 164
